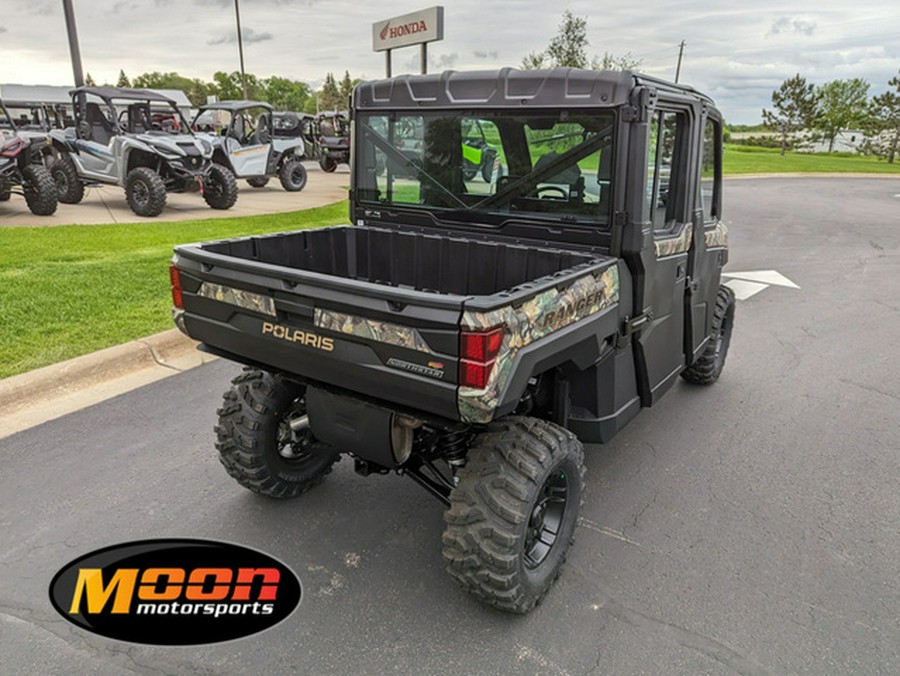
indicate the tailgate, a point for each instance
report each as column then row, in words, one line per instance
column 390, row 343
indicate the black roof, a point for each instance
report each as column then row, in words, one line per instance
column 235, row 105
column 122, row 93
column 508, row 88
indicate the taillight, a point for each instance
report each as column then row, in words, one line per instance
column 477, row 355
column 12, row 148
column 175, row 278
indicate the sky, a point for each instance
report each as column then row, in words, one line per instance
column 736, row 54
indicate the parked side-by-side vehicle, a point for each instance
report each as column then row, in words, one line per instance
column 248, row 142
column 115, row 140
column 472, row 334
column 22, row 169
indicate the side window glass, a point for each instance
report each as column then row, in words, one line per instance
column 664, row 161
column 711, row 171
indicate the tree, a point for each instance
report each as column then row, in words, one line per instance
column 842, row 105
column 227, row 86
column 883, row 123
column 347, row 85
column 612, row 62
column 89, row 81
column 330, row 96
column 568, row 49
column 123, row 80
column 285, row 94
column 794, row 108
column 195, row 89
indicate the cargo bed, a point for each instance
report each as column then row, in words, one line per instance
column 373, row 310
column 423, row 262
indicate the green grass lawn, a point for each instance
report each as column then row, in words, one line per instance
column 69, row 290
column 754, row 160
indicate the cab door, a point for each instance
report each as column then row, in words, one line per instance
column 659, row 349
column 709, row 250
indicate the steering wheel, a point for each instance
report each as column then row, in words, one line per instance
column 553, row 192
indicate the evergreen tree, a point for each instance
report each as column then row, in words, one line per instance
column 89, row 81
column 123, row 80
column 330, row 96
column 347, row 85
column 794, row 109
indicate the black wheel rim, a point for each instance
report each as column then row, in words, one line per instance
column 297, row 176
column 62, row 183
column 293, row 446
column 546, row 519
column 141, row 193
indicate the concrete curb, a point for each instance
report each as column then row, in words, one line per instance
column 52, row 391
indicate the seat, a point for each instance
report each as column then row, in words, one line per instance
column 101, row 129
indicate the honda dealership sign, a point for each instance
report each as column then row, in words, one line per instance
column 426, row 25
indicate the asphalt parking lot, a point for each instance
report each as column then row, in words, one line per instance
column 748, row 527
column 106, row 203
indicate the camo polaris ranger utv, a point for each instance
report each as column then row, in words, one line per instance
column 470, row 334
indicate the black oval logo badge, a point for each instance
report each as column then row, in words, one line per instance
column 175, row 591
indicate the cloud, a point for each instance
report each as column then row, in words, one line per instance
column 486, row 55
column 43, row 8
column 124, row 6
column 250, row 36
column 793, row 25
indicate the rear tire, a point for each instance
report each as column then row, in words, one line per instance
column 513, row 514
column 292, row 175
column 328, row 164
column 256, row 444
column 39, row 189
column 145, row 192
column 5, row 191
column 258, row 181
column 220, row 188
column 707, row 368
column 68, row 185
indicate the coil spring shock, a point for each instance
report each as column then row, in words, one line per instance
column 453, row 444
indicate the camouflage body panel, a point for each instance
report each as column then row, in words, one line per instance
column 717, row 238
column 243, row 299
column 383, row 332
column 536, row 318
column 675, row 245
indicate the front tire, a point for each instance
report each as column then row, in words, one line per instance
column 328, row 164
column 68, row 185
column 220, row 188
column 39, row 189
column 707, row 368
column 5, row 191
column 145, row 192
column 513, row 514
column 255, row 441
column 292, row 175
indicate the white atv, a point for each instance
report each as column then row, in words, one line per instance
column 116, row 140
column 250, row 144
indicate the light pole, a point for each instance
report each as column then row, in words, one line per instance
column 74, row 51
column 237, row 15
